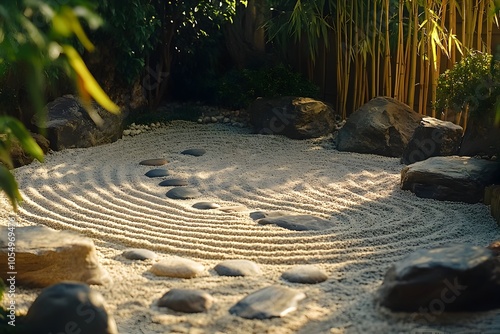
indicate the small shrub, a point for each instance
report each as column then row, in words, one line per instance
column 474, row 82
column 240, row 88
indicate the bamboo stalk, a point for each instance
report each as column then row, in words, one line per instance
column 414, row 48
column 480, row 45
column 387, row 58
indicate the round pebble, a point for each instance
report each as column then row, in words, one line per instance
column 177, row 267
column 153, row 162
column 173, row 183
column 196, row 152
column 238, row 268
column 305, row 274
column 206, row 206
column 157, row 173
column 139, row 254
column 183, row 193
column 186, row 300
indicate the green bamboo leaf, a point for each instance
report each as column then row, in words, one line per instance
column 27, row 142
column 5, row 157
column 8, row 184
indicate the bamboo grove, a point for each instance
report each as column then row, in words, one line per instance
column 393, row 48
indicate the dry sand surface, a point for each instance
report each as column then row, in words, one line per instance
column 102, row 193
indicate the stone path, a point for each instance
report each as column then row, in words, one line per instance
column 270, row 302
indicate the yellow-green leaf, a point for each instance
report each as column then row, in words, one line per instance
column 9, row 185
column 89, row 83
column 27, row 142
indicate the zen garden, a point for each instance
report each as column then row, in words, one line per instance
column 254, row 166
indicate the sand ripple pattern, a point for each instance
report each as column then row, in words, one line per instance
column 102, row 193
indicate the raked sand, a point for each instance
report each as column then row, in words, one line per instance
column 102, row 193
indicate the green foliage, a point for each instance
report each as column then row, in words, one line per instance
column 238, row 88
column 132, row 28
column 474, row 82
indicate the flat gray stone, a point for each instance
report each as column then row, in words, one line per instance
column 453, row 178
column 206, row 206
column 305, row 274
column 454, row 278
column 271, row 302
column 196, row 152
column 256, row 215
column 238, row 268
column 69, row 307
column 157, row 173
column 186, row 300
column 177, row 267
column 298, row 223
column 139, row 254
column 173, row 183
column 183, row 193
column 153, row 162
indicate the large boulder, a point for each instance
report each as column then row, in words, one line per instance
column 382, row 126
column 44, row 256
column 432, row 138
column 294, row 117
column 492, row 198
column 69, row 307
column 460, row 179
column 453, row 278
column 69, row 125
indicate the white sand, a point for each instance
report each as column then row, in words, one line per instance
column 102, row 193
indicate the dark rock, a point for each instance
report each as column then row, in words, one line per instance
column 256, row 215
column 432, row 138
column 174, row 183
column 157, row 173
column 298, row 223
column 186, row 300
column 45, row 257
column 382, row 126
column 206, row 206
column 306, row 274
column 294, row 117
column 139, row 254
column 482, row 137
column 454, row 278
column 460, row 179
column 153, row 162
column 196, row 152
column 238, row 268
column 68, row 124
column 177, row 267
column 183, row 193
column 69, row 307
column 21, row 158
column 271, row 302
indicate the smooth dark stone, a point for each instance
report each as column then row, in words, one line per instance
column 256, row 215
column 139, row 254
column 298, row 223
column 173, row 183
column 183, row 193
column 454, row 278
column 196, row 152
column 157, row 173
column 206, row 206
column 69, row 307
column 459, row 179
column 153, row 162
column 238, row 268
column 271, row 302
column 186, row 300
column 306, row 274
